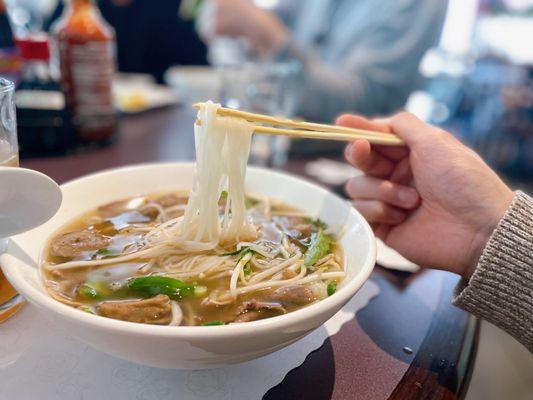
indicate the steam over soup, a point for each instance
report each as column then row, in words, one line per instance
column 96, row 264
column 209, row 257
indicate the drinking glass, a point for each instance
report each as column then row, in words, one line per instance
column 267, row 88
column 10, row 300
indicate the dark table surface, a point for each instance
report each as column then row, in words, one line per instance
column 408, row 343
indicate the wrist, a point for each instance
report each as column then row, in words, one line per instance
column 484, row 233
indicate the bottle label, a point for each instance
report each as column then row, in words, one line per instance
column 87, row 70
column 40, row 99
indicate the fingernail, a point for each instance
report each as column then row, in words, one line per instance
column 348, row 151
column 408, row 197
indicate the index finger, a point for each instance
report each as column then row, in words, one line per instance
column 356, row 121
column 380, row 125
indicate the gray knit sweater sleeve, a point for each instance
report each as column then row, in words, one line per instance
column 501, row 288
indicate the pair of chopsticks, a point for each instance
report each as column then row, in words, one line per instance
column 309, row 130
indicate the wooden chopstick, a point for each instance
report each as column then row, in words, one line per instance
column 310, row 130
column 324, row 135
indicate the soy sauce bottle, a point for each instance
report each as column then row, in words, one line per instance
column 85, row 47
column 43, row 121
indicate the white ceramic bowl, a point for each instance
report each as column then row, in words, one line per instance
column 190, row 347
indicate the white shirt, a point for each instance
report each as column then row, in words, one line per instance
column 359, row 55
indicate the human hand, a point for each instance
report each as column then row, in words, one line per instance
column 435, row 201
column 240, row 18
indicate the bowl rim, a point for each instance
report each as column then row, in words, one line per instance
column 337, row 300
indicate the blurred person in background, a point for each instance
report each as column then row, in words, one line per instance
column 150, row 35
column 358, row 55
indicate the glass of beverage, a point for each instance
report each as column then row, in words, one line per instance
column 267, row 88
column 10, row 300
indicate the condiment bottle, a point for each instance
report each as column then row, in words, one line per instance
column 43, row 121
column 85, row 47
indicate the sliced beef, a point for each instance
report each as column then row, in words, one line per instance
column 253, row 310
column 248, row 316
column 72, row 244
column 296, row 294
column 156, row 310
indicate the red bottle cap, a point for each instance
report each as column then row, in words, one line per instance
column 34, row 47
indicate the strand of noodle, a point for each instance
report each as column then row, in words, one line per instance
column 147, row 267
column 322, row 275
column 188, row 314
column 177, row 314
column 272, row 284
column 197, row 272
column 324, row 260
column 62, row 298
column 260, row 264
column 331, row 264
column 255, row 247
column 271, row 271
column 142, row 254
column 242, row 276
column 276, row 274
column 169, row 261
column 292, row 267
column 161, row 232
column 160, row 211
column 279, row 275
column 297, row 280
column 184, row 264
column 236, row 272
column 285, row 244
column 219, row 302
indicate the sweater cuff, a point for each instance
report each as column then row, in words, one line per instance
column 501, row 287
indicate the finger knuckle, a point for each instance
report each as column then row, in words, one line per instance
column 403, row 116
column 387, row 191
column 379, row 210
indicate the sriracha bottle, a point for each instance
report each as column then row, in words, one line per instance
column 85, row 48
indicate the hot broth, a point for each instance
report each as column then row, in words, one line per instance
column 291, row 262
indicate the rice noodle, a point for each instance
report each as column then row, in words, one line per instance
column 236, row 272
column 222, row 149
column 276, row 268
column 177, row 314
